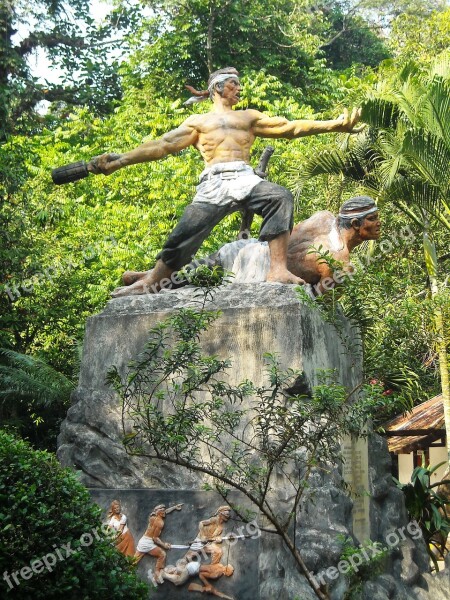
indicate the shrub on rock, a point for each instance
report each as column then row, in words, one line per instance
column 53, row 545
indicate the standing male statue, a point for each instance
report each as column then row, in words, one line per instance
column 224, row 138
column 151, row 543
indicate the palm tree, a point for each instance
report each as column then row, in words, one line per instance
column 25, row 378
column 403, row 158
column 33, row 396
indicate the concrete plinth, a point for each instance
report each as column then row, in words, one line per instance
column 256, row 319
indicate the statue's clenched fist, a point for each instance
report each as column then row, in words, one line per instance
column 105, row 164
column 346, row 122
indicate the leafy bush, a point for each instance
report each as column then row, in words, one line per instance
column 360, row 572
column 52, row 541
column 428, row 508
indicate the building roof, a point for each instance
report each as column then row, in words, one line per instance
column 418, row 428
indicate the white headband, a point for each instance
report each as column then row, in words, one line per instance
column 358, row 215
column 219, row 78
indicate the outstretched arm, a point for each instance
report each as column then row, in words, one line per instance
column 172, row 508
column 170, row 143
column 279, row 127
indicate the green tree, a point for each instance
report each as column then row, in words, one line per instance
column 404, row 159
column 51, row 531
column 420, row 37
column 195, row 37
column 350, row 38
column 66, row 32
column 369, row 31
column 388, row 10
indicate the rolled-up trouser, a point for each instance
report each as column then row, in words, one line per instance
column 271, row 201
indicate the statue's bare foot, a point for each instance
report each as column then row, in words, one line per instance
column 130, row 277
column 284, row 276
column 159, row 577
column 145, row 285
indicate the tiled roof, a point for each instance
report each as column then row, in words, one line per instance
column 419, row 428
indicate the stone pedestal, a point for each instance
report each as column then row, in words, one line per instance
column 256, row 319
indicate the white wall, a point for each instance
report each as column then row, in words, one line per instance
column 438, row 455
column 405, row 467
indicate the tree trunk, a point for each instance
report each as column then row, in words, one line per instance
column 209, row 39
column 432, row 267
column 443, row 368
column 6, row 31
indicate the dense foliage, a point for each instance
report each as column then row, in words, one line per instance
column 51, row 535
column 429, row 509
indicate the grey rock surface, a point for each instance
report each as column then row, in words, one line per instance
column 256, row 319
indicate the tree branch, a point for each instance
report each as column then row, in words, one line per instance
column 47, row 40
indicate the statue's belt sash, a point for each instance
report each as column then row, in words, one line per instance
column 226, row 183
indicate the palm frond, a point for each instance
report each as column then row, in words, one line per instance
column 24, row 378
column 411, row 193
column 388, row 170
column 380, row 113
column 365, row 152
column 428, row 155
column 356, row 167
column 328, row 162
column 389, row 145
column 408, row 70
column 441, row 66
column 353, row 164
column 410, row 99
column 436, row 109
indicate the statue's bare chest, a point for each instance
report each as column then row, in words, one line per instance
column 225, row 123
